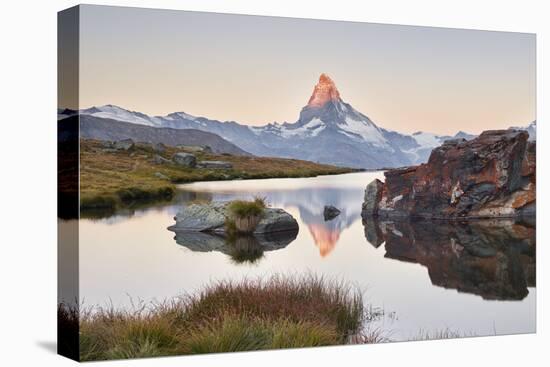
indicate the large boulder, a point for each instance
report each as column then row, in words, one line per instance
column 211, row 217
column 185, row 159
column 492, row 175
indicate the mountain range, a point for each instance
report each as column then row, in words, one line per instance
column 328, row 130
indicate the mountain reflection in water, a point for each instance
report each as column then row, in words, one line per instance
column 473, row 278
column 310, row 203
column 494, row 259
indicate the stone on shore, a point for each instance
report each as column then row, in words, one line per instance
column 215, row 165
column 161, row 176
column 185, row 159
column 124, row 144
column 157, row 159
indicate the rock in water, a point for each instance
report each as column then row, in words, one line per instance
column 211, row 218
column 330, row 212
column 373, row 194
column 493, row 175
column 185, row 159
column 276, row 220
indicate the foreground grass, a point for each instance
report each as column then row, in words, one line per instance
column 115, row 178
column 278, row 312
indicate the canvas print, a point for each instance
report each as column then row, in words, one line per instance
column 235, row 183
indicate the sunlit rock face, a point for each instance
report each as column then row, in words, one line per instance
column 323, row 92
column 493, row 175
column 494, row 259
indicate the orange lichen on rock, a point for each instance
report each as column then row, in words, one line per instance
column 493, row 175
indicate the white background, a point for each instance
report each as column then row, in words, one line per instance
column 28, row 181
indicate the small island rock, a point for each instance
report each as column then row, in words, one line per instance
column 211, row 217
column 330, row 212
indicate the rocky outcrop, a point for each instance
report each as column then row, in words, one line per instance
column 214, row 165
column 493, row 175
column 157, row 159
column 124, row 144
column 185, row 159
column 159, row 148
column 494, row 258
column 211, row 218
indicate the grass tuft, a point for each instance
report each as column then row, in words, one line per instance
column 234, row 333
column 276, row 312
column 243, row 208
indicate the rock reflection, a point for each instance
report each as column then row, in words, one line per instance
column 241, row 249
column 494, row 259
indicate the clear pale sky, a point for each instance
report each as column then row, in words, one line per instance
column 257, row 70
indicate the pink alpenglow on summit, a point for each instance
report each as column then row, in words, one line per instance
column 323, row 92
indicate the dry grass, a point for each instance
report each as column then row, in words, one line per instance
column 243, row 208
column 440, row 334
column 277, row 312
column 113, row 178
column 244, row 216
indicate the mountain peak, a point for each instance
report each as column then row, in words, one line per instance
column 324, row 91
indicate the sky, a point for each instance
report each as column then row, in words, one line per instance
column 257, row 70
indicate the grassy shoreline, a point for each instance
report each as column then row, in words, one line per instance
column 111, row 179
column 271, row 313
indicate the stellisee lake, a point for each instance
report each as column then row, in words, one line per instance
column 474, row 279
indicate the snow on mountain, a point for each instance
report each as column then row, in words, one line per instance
column 531, row 129
column 328, row 130
column 365, row 129
column 117, row 113
column 428, row 140
column 179, row 115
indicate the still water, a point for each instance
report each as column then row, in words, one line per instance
column 477, row 279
